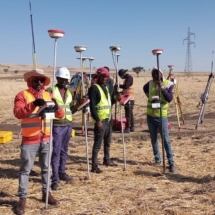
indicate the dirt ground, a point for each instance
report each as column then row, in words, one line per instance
column 141, row 188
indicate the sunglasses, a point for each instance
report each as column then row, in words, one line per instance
column 36, row 80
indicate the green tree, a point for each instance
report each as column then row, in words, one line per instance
column 6, row 70
column 138, row 69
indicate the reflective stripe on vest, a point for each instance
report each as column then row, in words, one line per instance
column 129, row 91
column 164, row 104
column 34, row 125
column 103, row 108
column 65, row 106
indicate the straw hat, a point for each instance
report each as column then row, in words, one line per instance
column 37, row 73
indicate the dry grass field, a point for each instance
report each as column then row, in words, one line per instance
column 142, row 189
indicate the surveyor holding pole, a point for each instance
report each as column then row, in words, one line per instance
column 62, row 128
column 128, row 89
column 35, row 133
column 151, row 90
column 100, row 108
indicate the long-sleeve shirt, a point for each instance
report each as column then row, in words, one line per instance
column 95, row 97
column 127, row 83
column 167, row 92
column 22, row 110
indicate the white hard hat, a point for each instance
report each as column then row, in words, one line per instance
column 63, row 72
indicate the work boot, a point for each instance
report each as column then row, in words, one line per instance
column 51, row 199
column 127, row 130
column 65, row 177
column 55, row 186
column 21, row 206
column 157, row 163
column 172, row 168
column 96, row 170
column 109, row 163
column 132, row 129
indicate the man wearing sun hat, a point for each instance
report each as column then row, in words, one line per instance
column 35, row 133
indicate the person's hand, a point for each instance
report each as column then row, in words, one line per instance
column 118, row 96
column 39, row 102
column 56, row 107
column 99, row 125
column 86, row 109
column 159, row 83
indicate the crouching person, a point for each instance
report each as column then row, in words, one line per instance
column 35, row 133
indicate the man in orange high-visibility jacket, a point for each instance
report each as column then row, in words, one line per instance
column 35, row 133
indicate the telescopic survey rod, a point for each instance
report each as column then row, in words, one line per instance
column 80, row 49
column 170, row 72
column 157, row 52
column 32, row 32
column 115, row 58
column 204, row 97
column 91, row 59
column 83, row 91
column 55, row 34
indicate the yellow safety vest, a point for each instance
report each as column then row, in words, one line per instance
column 65, row 106
column 164, row 104
column 33, row 126
column 103, row 108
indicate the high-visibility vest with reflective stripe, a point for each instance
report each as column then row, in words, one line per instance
column 65, row 106
column 103, row 108
column 33, row 125
column 164, row 104
column 129, row 91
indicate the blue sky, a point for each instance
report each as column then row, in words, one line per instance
column 138, row 26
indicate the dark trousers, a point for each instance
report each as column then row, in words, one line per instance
column 99, row 137
column 129, row 106
column 61, row 137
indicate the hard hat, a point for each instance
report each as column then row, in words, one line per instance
column 63, row 72
column 121, row 72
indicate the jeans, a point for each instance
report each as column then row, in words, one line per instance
column 27, row 155
column 129, row 106
column 154, row 123
column 99, row 137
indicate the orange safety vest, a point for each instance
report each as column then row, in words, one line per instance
column 129, row 91
column 33, row 126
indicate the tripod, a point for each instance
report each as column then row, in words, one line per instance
column 204, row 97
column 177, row 101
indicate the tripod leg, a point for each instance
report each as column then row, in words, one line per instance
column 203, row 113
column 200, row 115
column 176, row 106
column 179, row 104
